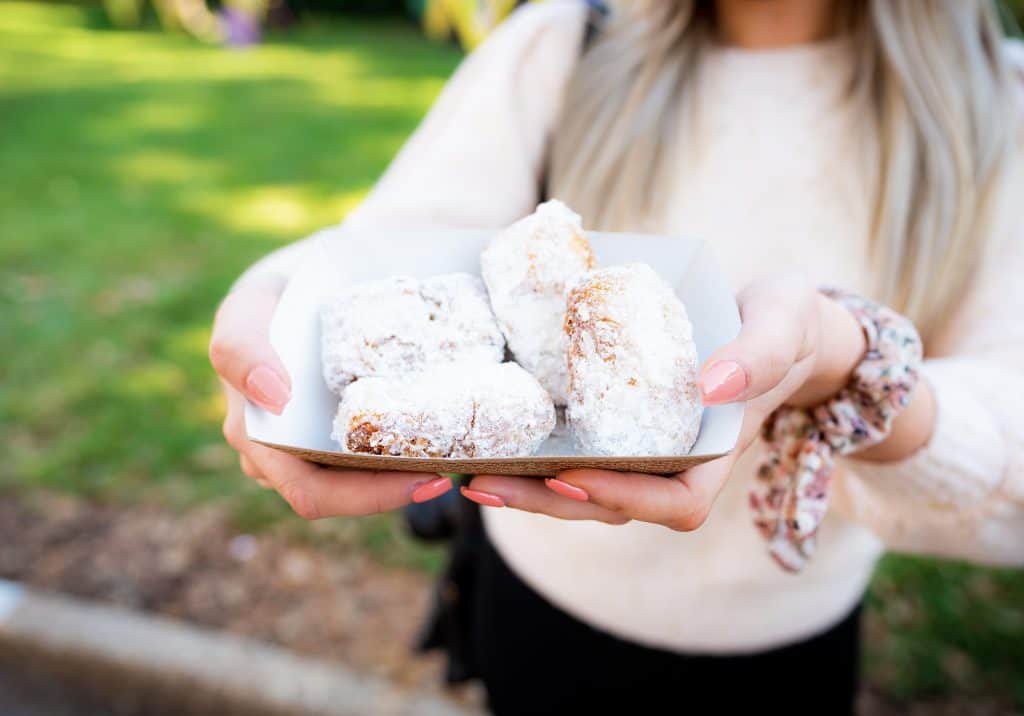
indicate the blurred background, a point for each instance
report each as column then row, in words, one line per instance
column 150, row 150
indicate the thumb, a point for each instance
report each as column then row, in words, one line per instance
column 777, row 334
column 240, row 349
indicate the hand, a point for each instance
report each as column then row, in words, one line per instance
column 241, row 353
column 795, row 347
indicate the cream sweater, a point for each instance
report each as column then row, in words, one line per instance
column 774, row 187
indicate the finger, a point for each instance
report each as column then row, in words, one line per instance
column 681, row 502
column 234, row 421
column 240, row 349
column 315, row 492
column 531, row 495
column 778, row 331
column 234, row 433
column 249, row 469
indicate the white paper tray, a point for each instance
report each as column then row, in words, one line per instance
column 350, row 257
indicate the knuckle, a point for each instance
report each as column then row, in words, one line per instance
column 300, row 500
column 222, row 354
column 776, row 361
column 248, row 469
column 233, row 434
column 617, row 520
column 689, row 521
column 679, row 524
column 612, row 502
column 700, row 516
column 676, row 524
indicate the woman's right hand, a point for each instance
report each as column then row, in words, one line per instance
column 248, row 366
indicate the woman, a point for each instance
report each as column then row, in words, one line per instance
column 864, row 144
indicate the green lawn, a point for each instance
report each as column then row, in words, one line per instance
column 141, row 172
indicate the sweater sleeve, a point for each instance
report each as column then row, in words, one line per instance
column 475, row 161
column 962, row 495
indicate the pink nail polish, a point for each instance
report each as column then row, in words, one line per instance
column 566, row 490
column 268, row 389
column 722, row 383
column 482, row 498
column 429, row 490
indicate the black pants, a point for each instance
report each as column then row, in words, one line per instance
column 536, row 659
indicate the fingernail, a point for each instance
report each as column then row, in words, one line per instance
column 566, row 490
column 482, row 498
column 429, row 490
column 722, row 382
column 268, row 389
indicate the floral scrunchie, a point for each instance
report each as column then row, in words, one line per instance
column 791, row 494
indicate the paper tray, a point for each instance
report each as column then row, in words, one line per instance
column 341, row 257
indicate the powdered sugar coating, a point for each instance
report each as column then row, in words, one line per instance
column 401, row 325
column 527, row 268
column 460, row 411
column 632, row 365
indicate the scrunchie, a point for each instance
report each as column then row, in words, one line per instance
column 792, row 488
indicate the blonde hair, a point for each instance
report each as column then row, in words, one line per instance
column 933, row 83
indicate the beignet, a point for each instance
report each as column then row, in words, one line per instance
column 464, row 410
column 632, row 365
column 528, row 268
column 402, row 325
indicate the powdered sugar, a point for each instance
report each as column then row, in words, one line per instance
column 632, row 365
column 425, row 355
column 462, row 410
column 401, row 325
column 528, row 268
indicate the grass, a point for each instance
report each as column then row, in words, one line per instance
column 142, row 172
column 940, row 628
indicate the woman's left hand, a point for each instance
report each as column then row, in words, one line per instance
column 795, row 347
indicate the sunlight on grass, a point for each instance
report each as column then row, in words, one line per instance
column 148, row 54
column 345, row 203
column 154, row 379
column 289, row 212
column 283, row 210
column 39, row 17
column 190, row 342
column 163, row 167
column 158, row 115
column 211, row 408
column 397, row 92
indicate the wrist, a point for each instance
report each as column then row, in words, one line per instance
column 866, row 363
column 841, row 347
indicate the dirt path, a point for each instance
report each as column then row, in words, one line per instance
column 193, row 567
